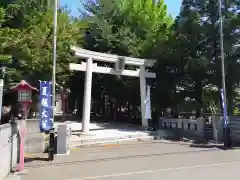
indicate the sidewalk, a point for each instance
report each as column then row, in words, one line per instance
column 87, row 162
column 37, row 163
column 13, row 177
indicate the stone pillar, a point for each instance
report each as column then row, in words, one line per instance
column 63, row 138
column 143, row 96
column 87, row 97
column 217, row 122
column 200, row 126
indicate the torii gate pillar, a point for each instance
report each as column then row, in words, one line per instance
column 143, row 97
column 87, row 97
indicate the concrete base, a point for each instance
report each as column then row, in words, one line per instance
column 35, row 140
column 13, row 177
column 63, row 138
column 35, row 143
column 64, row 154
column 16, row 175
column 24, row 172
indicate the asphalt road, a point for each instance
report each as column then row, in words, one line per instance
column 141, row 161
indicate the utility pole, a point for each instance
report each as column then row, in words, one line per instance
column 54, row 55
column 224, row 99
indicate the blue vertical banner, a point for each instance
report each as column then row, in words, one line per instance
column 46, row 122
column 224, row 106
column 148, row 114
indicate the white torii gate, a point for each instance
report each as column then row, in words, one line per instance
column 91, row 67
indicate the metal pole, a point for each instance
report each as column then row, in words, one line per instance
column 54, row 55
column 226, row 127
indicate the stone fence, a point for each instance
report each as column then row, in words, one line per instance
column 9, row 148
column 10, row 141
column 195, row 127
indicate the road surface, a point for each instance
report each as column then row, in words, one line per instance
column 141, row 161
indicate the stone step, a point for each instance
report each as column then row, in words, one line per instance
column 100, row 142
column 87, row 140
column 90, row 138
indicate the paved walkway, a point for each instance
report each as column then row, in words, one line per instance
column 141, row 161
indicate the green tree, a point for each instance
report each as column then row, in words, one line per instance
column 193, row 59
column 9, row 39
column 36, row 48
column 125, row 28
column 190, row 34
column 29, row 41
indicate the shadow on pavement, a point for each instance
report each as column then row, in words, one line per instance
column 192, row 141
column 187, row 139
column 27, row 160
column 221, row 147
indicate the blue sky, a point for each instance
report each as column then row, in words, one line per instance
column 173, row 6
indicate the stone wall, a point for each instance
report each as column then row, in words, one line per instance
column 10, row 140
column 9, row 148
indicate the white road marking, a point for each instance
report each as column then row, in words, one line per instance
column 160, row 170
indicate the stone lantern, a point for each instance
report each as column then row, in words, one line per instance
column 24, row 91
